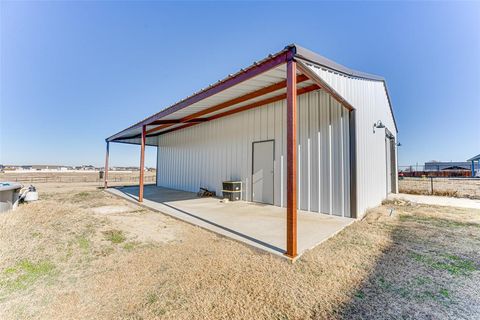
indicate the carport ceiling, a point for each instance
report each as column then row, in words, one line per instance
column 267, row 87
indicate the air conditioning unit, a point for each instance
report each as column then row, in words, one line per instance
column 232, row 190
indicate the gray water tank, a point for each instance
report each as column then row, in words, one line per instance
column 9, row 192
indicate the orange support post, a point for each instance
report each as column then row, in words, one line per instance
column 291, row 158
column 142, row 164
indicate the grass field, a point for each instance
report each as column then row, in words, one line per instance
column 114, row 177
column 80, row 253
column 452, row 187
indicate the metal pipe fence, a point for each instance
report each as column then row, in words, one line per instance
column 79, row 179
column 460, row 187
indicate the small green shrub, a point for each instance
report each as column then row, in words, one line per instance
column 115, row 236
column 152, row 298
column 83, row 243
column 129, row 246
column 445, row 293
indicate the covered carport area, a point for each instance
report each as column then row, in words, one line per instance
column 279, row 77
column 258, row 225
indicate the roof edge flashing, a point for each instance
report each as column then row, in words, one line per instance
column 292, row 48
column 291, row 51
column 324, row 62
column 242, row 75
column 475, row 158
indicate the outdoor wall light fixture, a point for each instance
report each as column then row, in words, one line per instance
column 378, row 125
column 399, row 144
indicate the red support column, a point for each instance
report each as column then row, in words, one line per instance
column 105, row 177
column 142, row 164
column 291, row 159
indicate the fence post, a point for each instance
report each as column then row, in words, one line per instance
column 431, row 184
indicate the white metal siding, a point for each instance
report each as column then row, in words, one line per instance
column 209, row 153
column 370, row 100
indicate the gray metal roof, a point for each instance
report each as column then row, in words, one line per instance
column 194, row 103
column 322, row 61
column 330, row 64
column 477, row 157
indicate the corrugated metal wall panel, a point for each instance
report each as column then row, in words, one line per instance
column 212, row 152
column 346, row 159
column 325, row 186
column 313, row 150
column 370, row 100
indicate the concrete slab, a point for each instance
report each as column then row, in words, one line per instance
column 259, row 225
column 438, row 200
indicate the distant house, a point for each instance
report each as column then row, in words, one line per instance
column 42, row 167
column 37, row 167
column 85, row 168
column 124, row 168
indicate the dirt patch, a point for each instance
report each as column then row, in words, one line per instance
column 107, row 210
column 61, row 259
column 139, row 224
column 145, row 228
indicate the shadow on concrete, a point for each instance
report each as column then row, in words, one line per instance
column 151, row 193
column 169, row 196
column 228, row 229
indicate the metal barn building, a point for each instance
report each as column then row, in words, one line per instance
column 298, row 130
column 451, row 165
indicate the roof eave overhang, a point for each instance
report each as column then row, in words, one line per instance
column 324, row 85
column 243, row 75
column 477, row 157
column 321, row 61
column 290, row 52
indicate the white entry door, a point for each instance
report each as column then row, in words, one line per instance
column 262, row 173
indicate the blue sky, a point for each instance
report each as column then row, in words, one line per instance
column 73, row 73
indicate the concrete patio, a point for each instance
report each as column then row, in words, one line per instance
column 259, row 225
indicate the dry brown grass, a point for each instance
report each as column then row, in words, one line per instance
column 114, row 177
column 449, row 187
column 57, row 262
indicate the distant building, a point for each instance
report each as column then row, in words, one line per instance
column 42, row 167
column 45, row 168
column 124, row 168
column 85, row 168
column 442, row 166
